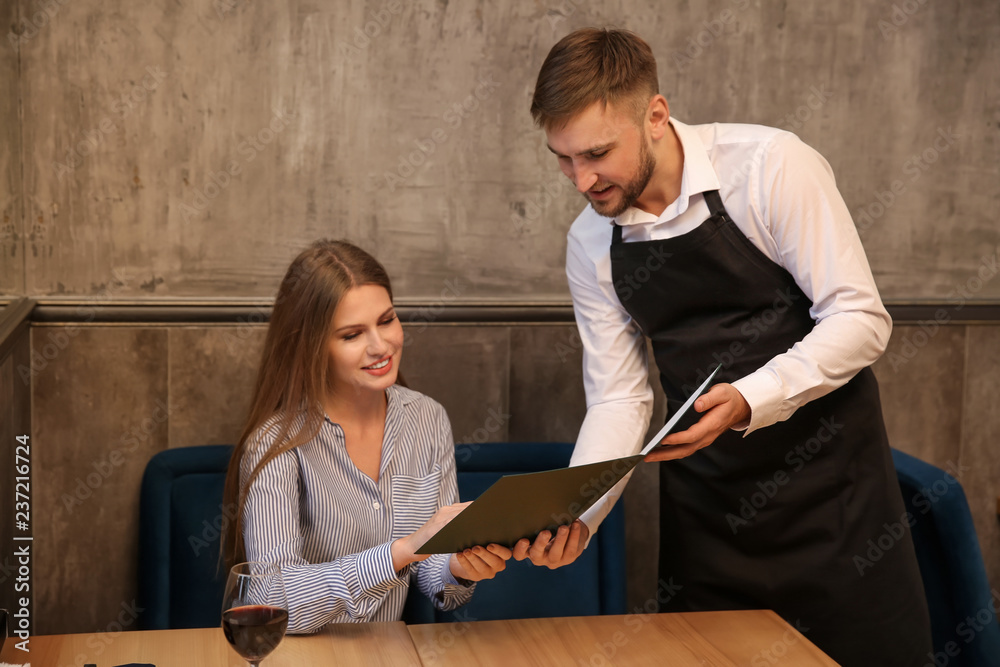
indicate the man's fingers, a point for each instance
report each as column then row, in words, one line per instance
column 538, row 549
column 696, row 432
column 521, row 549
column 672, row 453
column 558, row 545
column 575, row 542
column 714, row 396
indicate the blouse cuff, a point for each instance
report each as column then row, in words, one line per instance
column 453, row 593
column 374, row 574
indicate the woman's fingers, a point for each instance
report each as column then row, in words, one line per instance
column 500, row 550
column 481, row 563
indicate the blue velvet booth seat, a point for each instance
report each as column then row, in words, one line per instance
column 962, row 605
column 181, row 511
column 594, row 584
column 180, row 585
column 180, row 515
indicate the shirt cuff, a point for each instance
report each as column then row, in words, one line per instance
column 764, row 396
column 448, row 577
column 375, row 574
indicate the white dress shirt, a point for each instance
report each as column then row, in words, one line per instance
column 782, row 196
column 330, row 526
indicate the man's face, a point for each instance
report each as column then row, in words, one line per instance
column 606, row 155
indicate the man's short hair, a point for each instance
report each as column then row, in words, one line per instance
column 594, row 65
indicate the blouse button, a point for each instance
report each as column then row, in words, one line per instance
column 375, row 504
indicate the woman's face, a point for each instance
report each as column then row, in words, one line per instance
column 367, row 342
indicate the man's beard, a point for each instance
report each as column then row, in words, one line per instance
column 632, row 190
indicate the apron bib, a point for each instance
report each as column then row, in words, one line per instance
column 787, row 517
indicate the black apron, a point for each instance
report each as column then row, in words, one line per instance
column 804, row 517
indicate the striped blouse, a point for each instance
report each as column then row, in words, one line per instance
column 330, row 526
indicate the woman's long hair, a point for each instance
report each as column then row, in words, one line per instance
column 294, row 374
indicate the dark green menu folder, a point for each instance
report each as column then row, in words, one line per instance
column 519, row 506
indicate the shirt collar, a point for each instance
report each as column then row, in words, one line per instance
column 697, row 176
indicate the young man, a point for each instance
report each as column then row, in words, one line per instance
column 730, row 244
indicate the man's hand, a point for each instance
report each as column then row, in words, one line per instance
column 725, row 408
column 553, row 552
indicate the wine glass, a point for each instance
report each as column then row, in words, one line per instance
column 254, row 610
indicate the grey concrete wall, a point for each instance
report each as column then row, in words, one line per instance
column 194, row 147
column 12, row 245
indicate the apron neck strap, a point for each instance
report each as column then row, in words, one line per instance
column 616, row 233
column 714, row 202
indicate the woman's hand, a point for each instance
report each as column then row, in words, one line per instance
column 404, row 548
column 479, row 563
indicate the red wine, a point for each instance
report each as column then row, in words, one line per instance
column 255, row 630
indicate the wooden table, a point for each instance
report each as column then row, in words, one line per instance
column 702, row 638
column 342, row 644
column 706, row 638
